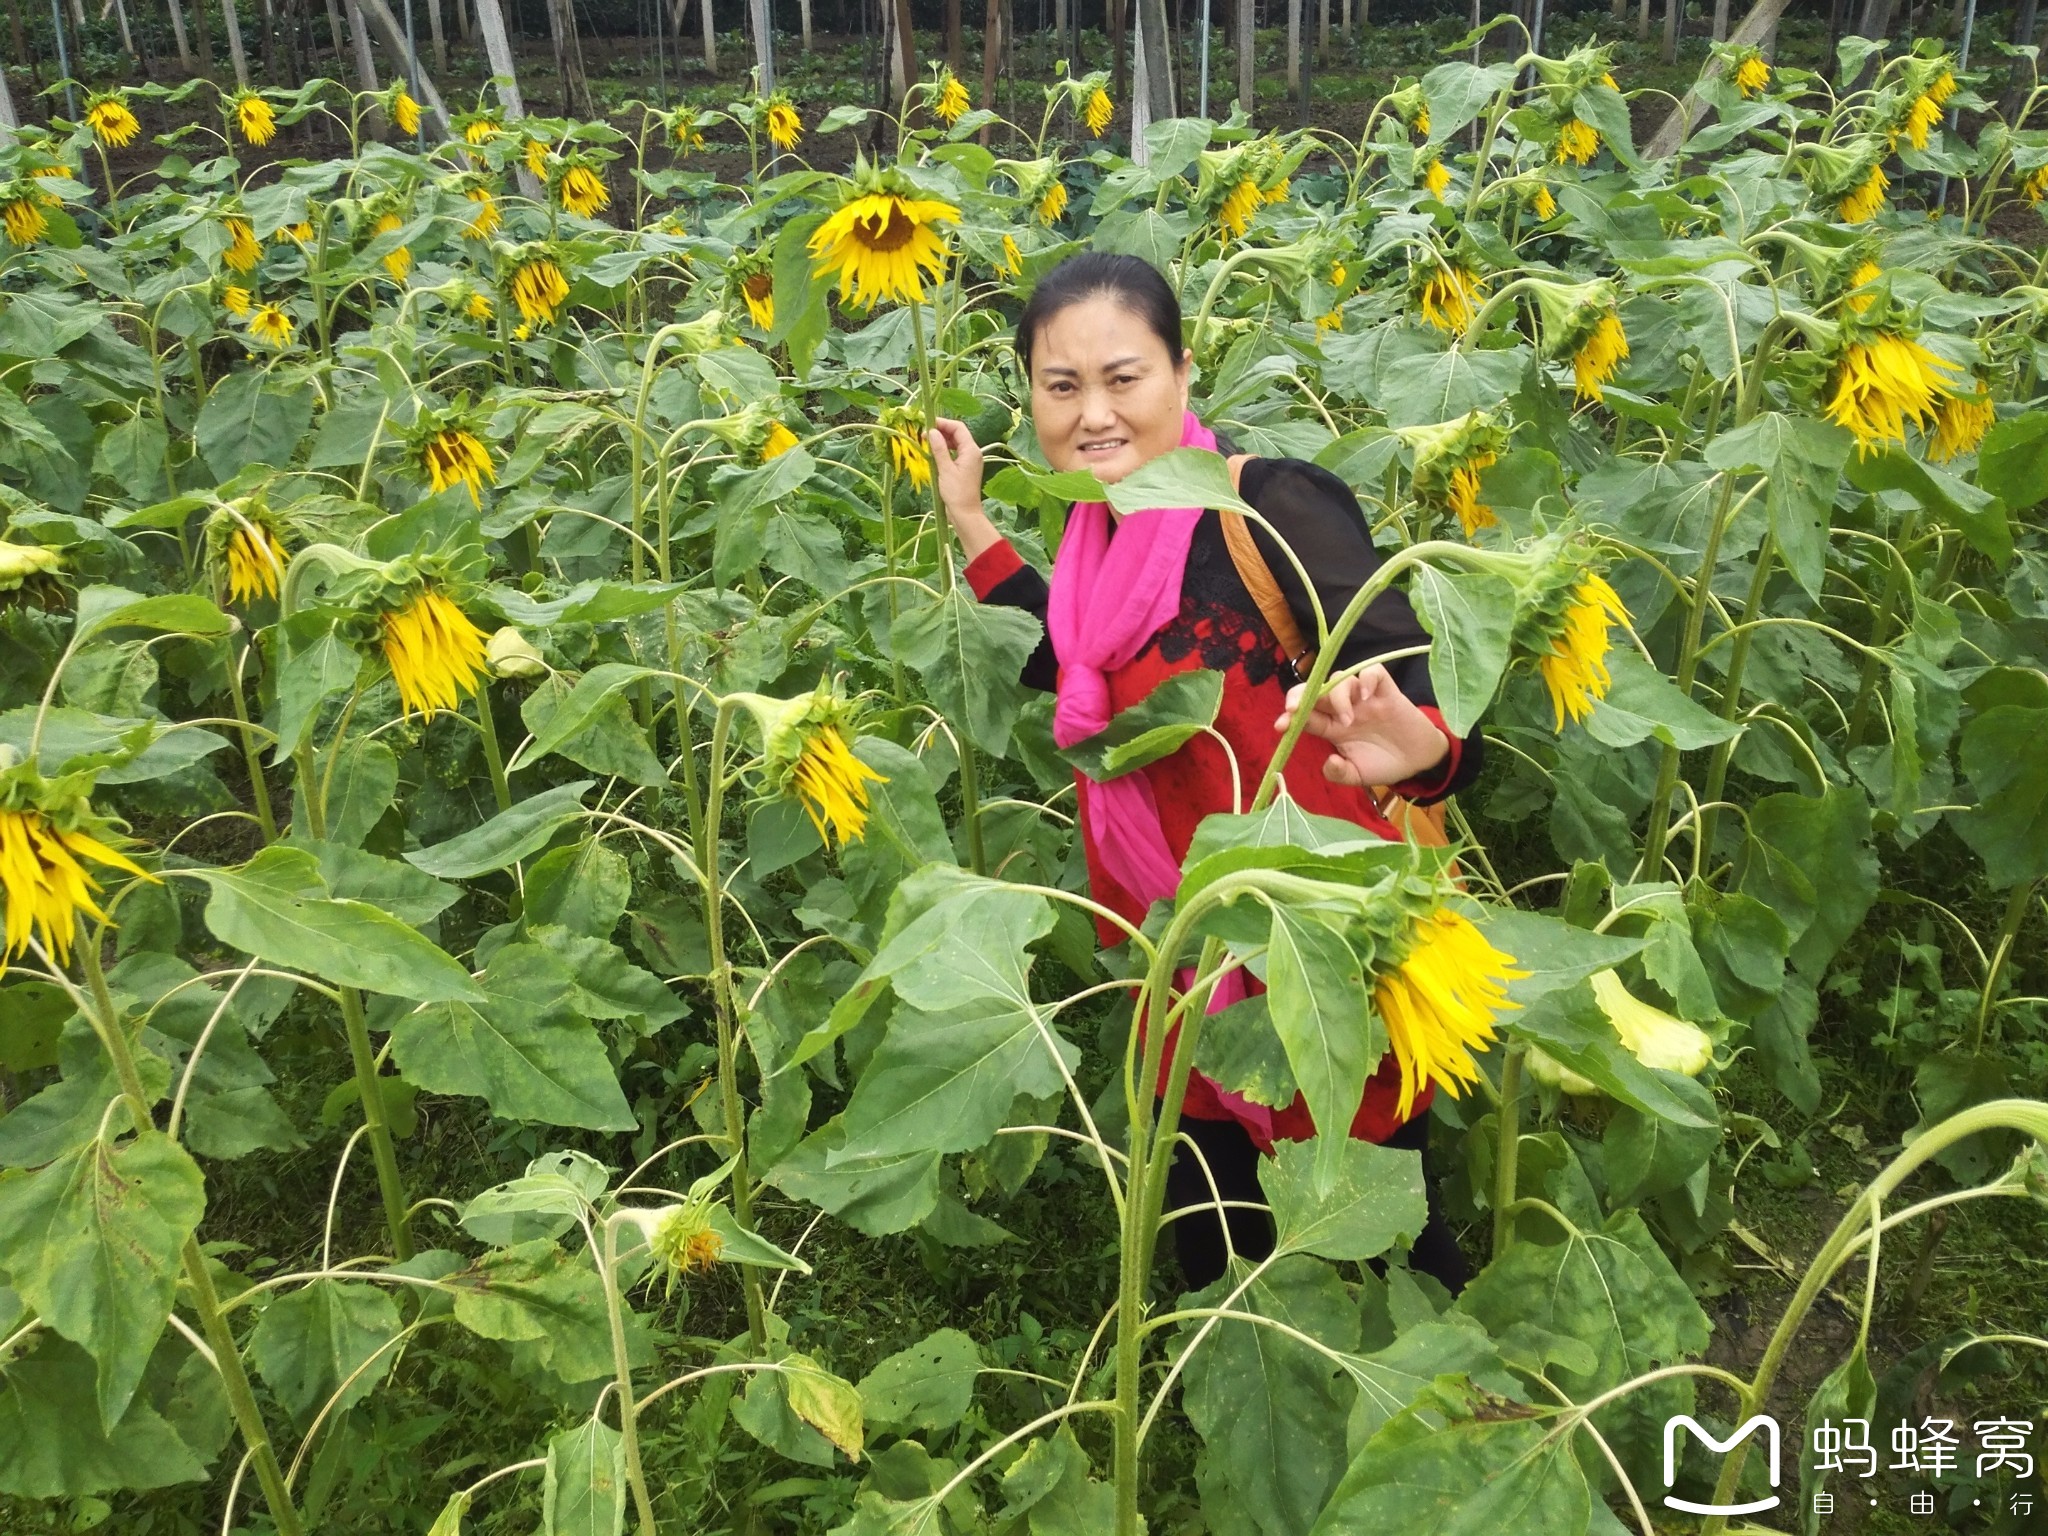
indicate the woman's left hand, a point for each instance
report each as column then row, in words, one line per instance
column 1380, row 735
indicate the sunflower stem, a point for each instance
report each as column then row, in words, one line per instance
column 970, row 768
column 369, row 1087
column 1731, row 690
column 1508, row 1147
column 726, row 1009
column 259, row 790
column 106, row 1022
column 1882, row 624
column 487, row 729
column 622, row 1371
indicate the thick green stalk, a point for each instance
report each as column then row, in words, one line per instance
column 622, row 1372
column 494, row 758
column 726, row 1009
column 1508, row 1148
column 1882, row 623
column 1731, row 688
column 2028, row 1116
column 259, row 790
column 2016, row 907
column 106, row 1022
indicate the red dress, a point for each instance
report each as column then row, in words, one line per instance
column 1219, row 627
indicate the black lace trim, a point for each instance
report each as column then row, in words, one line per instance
column 1218, row 621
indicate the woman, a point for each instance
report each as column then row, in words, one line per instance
column 1135, row 600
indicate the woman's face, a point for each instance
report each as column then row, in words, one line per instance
column 1106, row 395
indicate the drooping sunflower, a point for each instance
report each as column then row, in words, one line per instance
column 487, row 217
column 1752, row 75
column 397, row 262
column 1449, row 459
column 299, row 233
column 243, row 252
column 1881, row 382
column 778, row 441
column 907, row 451
column 2035, row 187
column 538, row 288
column 1437, row 178
column 683, row 1239
column 41, row 875
column 1960, row 424
column 235, row 300
column 883, row 242
column 1921, row 117
column 784, row 126
column 1577, row 141
column 436, row 655
column 22, row 215
column 1234, row 217
column 1052, row 203
column 271, row 324
column 112, row 123
column 1543, row 205
column 405, row 112
column 536, row 152
column 684, row 131
column 952, row 101
column 582, row 192
column 1573, row 666
column 806, row 757
column 1439, row 1003
column 1449, row 294
column 451, row 454
column 254, row 116
column 478, row 306
column 477, row 128
column 757, row 289
column 255, row 560
column 1096, row 114
column 1859, row 296
column 1012, row 263
column 1866, row 199
column 1597, row 357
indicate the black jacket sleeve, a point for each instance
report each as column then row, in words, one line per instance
column 1322, row 522
column 1026, row 588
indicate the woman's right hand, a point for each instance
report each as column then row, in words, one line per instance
column 957, row 464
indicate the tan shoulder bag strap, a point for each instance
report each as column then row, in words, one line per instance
column 1421, row 824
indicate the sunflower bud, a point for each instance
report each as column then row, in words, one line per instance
column 511, row 654
column 21, row 563
column 1652, row 1036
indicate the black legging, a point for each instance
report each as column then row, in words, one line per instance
column 1233, row 1161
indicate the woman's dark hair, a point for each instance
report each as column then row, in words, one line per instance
column 1130, row 280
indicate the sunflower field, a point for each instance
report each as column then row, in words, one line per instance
column 548, row 984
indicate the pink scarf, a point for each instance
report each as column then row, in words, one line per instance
column 1110, row 596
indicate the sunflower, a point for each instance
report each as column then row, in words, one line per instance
column 1449, row 458
column 1543, row 204
column 1857, row 299
column 1437, row 178
column 1574, row 668
column 1577, row 141
column 1242, row 201
column 478, row 307
column 758, row 289
column 436, row 655
column 23, row 218
column 907, row 449
column 255, row 561
column 253, row 115
column 1331, row 319
column 1439, row 1003
column 1052, row 203
column 270, row 323
column 1596, row 358
column 784, row 126
column 479, row 128
column 582, row 192
column 778, row 441
column 536, row 153
column 2035, row 187
column 243, row 252
column 453, row 455
column 1473, row 514
column 881, row 244
column 1096, row 114
column 1882, row 383
column 1752, row 75
column 111, row 121
column 300, row 233
column 1960, row 424
column 684, row 1239
column 538, row 288
column 684, row 131
column 1866, row 200
column 399, row 261
column 235, row 300
column 1012, row 263
column 953, row 100
column 1420, row 124
column 1449, row 296
column 45, row 884
column 487, row 217
column 405, row 111
column 1924, row 115
column 832, row 786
